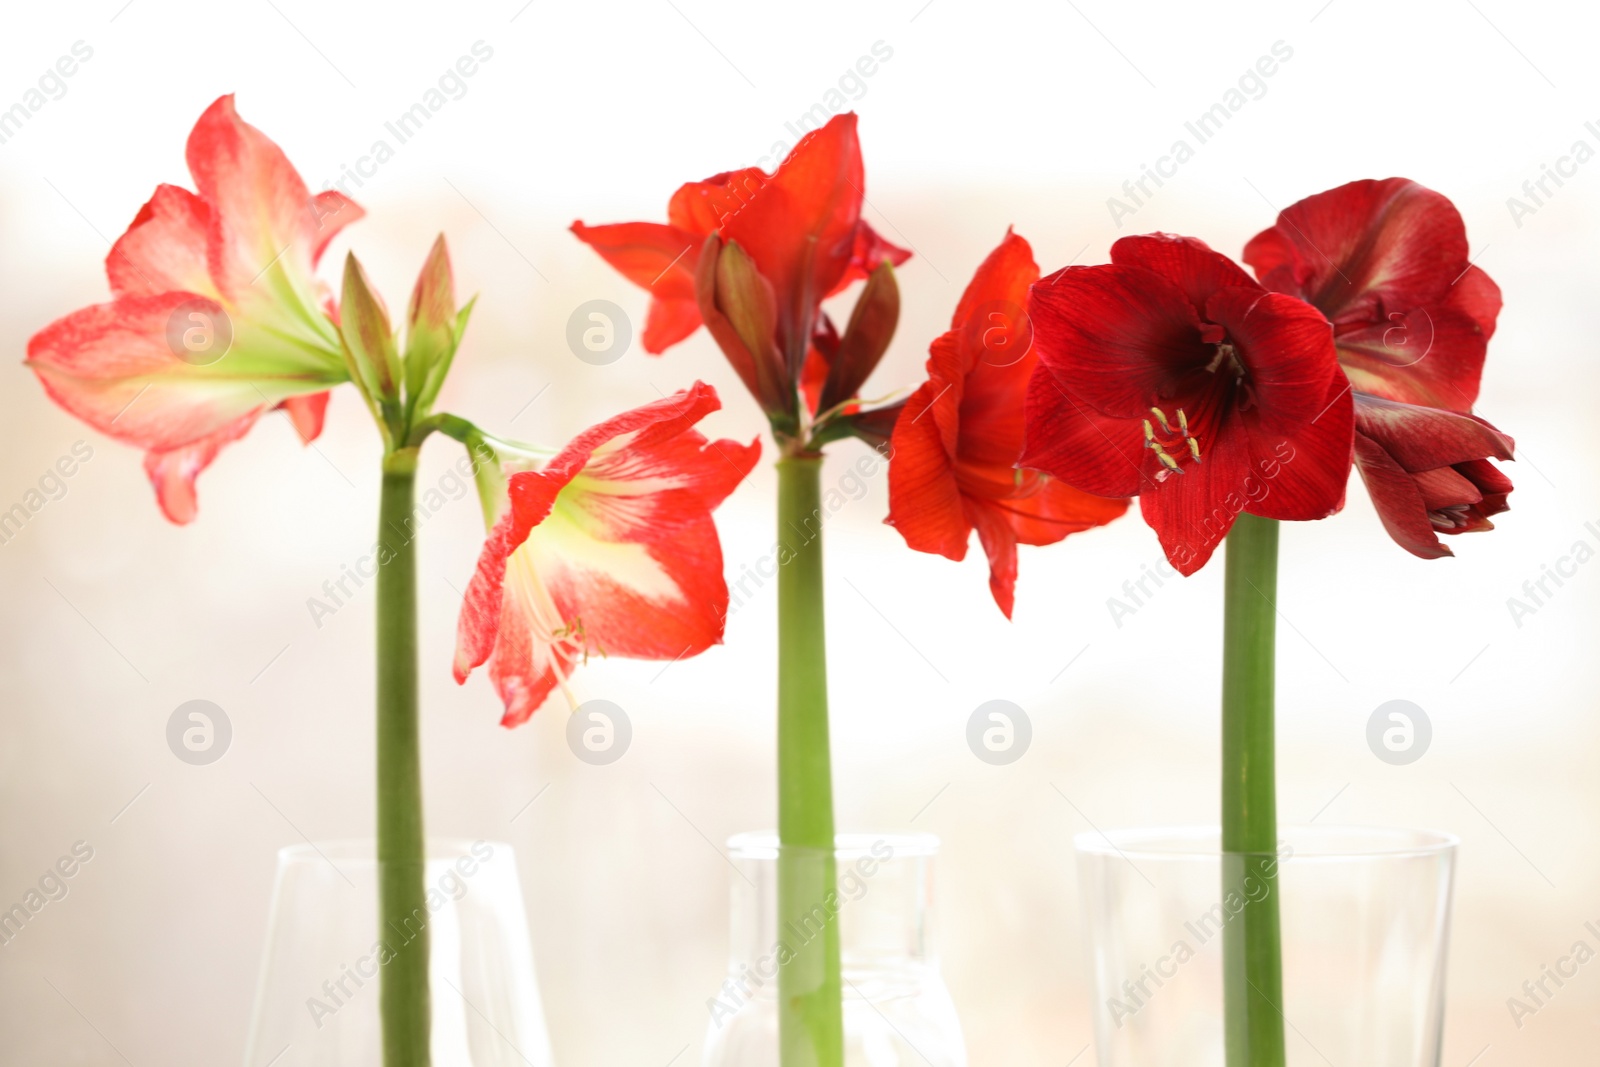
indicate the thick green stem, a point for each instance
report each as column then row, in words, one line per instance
column 1252, row 950
column 403, row 910
column 811, row 1025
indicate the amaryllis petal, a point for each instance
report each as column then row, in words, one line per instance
column 1399, row 502
column 1118, row 334
column 1432, row 356
column 1096, row 453
column 658, row 258
column 701, row 208
column 999, row 543
column 1304, row 466
column 1387, row 263
column 307, row 413
column 172, row 472
column 332, row 212
column 112, row 365
column 924, row 496
column 164, row 249
column 1475, row 294
column 1187, row 261
column 606, row 549
column 261, row 210
column 1366, row 247
column 1420, row 437
column 668, row 322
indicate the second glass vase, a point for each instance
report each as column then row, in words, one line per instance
column 897, row 1009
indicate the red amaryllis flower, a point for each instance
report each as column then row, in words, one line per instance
column 608, row 548
column 1387, row 263
column 217, row 316
column 753, row 256
column 955, row 446
column 1171, row 375
column 1428, row 471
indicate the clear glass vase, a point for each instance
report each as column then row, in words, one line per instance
column 317, row 999
column 1365, row 918
column 897, row 1009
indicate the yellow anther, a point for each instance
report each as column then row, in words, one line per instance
column 1149, row 434
column 1194, row 449
column 1166, row 427
column 1167, row 461
column 1183, row 422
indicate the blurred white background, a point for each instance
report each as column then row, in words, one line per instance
column 986, row 115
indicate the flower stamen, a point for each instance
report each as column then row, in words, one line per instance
column 1181, row 439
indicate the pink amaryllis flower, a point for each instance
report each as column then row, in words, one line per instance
column 216, row 317
column 608, row 548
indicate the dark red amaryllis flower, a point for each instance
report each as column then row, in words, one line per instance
column 953, row 467
column 753, row 256
column 1171, row 375
column 1387, row 263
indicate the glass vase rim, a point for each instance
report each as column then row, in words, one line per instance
column 363, row 851
column 1310, row 842
column 764, row 845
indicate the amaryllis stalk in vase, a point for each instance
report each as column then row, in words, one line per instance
column 1227, row 405
column 752, row 256
column 218, row 317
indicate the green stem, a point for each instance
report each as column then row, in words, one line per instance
column 811, row 1025
column 402, row 900
column 1252, row 950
